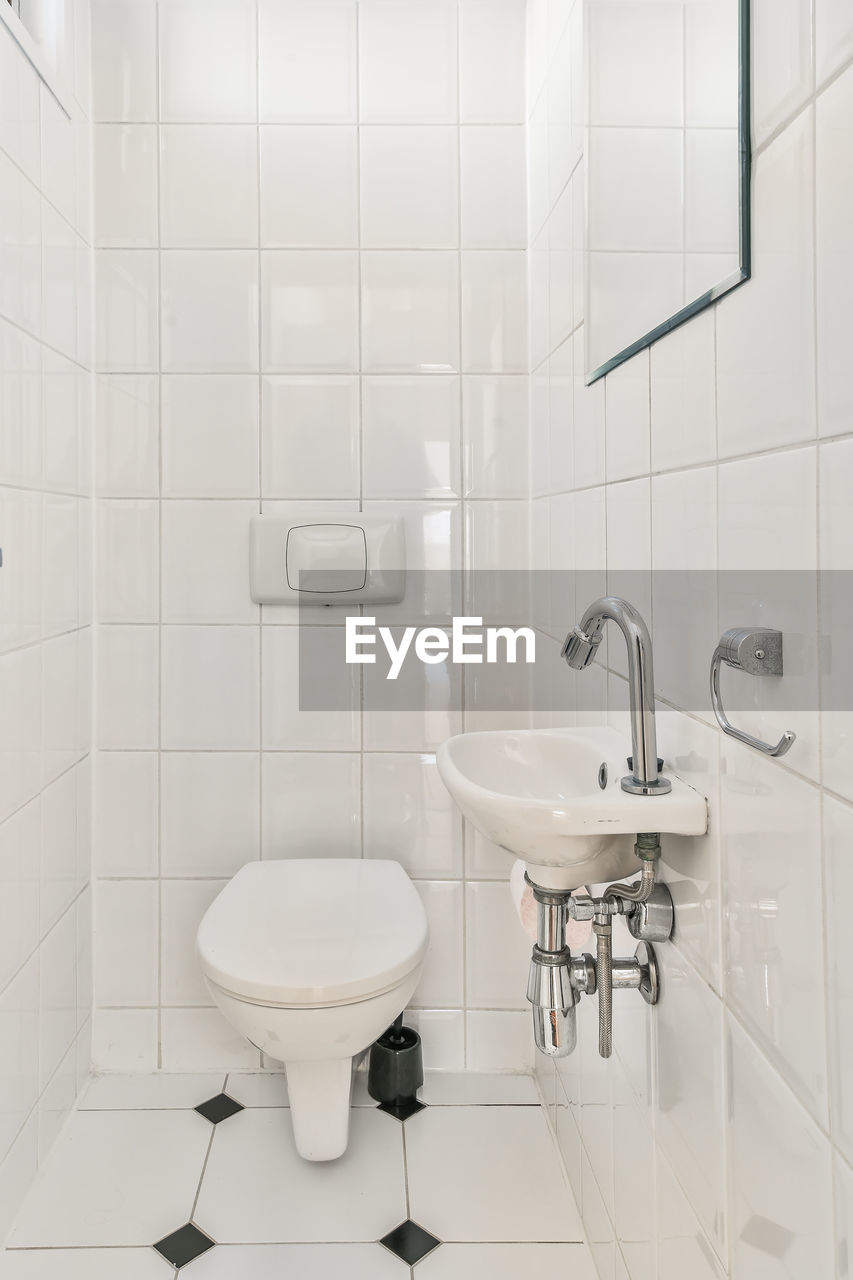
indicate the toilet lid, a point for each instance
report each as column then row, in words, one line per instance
column 313, row 931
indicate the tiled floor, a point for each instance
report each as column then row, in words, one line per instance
column 468, row 1188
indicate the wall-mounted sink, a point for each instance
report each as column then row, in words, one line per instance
column 539, row 794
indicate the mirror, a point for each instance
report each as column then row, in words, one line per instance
column 667, row 167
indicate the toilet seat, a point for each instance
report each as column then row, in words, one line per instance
column 303, row 933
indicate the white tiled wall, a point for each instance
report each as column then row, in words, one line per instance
column 311, row 286
column 716, row 1142
column 45, row 603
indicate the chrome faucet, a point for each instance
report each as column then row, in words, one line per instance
column 579, row 650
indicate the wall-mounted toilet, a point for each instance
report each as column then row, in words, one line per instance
column 312, row 959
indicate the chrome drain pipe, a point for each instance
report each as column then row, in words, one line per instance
column 549, row 984
column 557, row 979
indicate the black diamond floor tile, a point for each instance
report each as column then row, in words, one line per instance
column 410, row 1242
column 184, row 1245
column 219, row 1108
column 402, row 1110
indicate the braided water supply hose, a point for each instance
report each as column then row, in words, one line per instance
column 647, row 850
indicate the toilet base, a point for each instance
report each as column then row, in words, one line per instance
column 319, row 1094
column 317, row 1047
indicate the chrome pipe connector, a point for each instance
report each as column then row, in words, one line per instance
column 557, row 979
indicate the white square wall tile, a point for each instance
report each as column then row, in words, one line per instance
column 833, row 36
column 210, row 436
column 782, row 76
column 626, row 392
column 210, row 311
column 310, row 437
column 59, row 156
column 57, row 995
column 61, row 297
column 125, row 172
column 441, row 983
column 332, row 723
column 201, row 1040
column 496, row 436
column 19, row 1057
column 433, row 535
column 498, row 949
column 494, row 311
column 408, row 62
column 309, row 186
column 494, row 177
column 768, row 519
column 127, row 310
column 125, row 1040
column 20, row 851
column 691, row 1107
column 205, row 561
column 843, row 1211
column 308, row 64
column 410, row 434
column 780, row 1171
column 311, row 804
column 208, row 61
column 834, row 258
column 409, row 187
column 126, row 942
column 771, row 848
column 683, row 393
column 58, row 867
column 765, row 331
column 836, row 561
column 127, row 436
column 310, row 311
column 124, row 60
column 838, row 827
column 127, row 566
column 410, row 817
column 443, row 1034
column 210, row 688
column 183, row 903
column 20, row 247
column 410, row 312
column 126, row 812
column 492, row 40
column 126, row 704
column 208, row 186
column 209, row 812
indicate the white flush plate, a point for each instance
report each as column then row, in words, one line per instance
column 327, row 557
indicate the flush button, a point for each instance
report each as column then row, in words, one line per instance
column 326, row 557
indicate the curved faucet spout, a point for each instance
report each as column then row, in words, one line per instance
column 579, row 650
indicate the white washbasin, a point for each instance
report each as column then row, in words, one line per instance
column 537, row 794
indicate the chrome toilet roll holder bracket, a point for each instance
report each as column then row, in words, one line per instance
column 757, row 652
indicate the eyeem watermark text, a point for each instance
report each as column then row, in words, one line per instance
column 468, row 642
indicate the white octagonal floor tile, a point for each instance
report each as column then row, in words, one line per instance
column 257, row 1190
column 84, row 1264
column 488, row 1174
column 116, row 1178
column 507, row 1262
column 302, row 1261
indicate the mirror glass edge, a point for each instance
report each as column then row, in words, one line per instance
column 744, row 272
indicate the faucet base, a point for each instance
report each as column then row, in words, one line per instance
column 660, row 787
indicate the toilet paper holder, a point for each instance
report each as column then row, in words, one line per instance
column 758, row 652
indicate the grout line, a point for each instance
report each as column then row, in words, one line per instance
column 159, row 769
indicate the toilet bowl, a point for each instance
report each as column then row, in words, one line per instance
column 311, row 960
